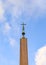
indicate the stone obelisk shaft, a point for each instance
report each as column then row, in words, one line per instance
column 23, row 51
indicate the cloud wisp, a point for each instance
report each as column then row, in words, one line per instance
column 7, row 28
column 31, row 7
column 12, row 42
column 1, row 11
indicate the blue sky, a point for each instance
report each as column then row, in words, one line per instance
column 12, row 14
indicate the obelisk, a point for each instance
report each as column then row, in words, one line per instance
column 23, row 48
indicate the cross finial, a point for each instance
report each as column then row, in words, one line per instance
column 23, row 33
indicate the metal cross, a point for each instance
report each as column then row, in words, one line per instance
column 23, row 26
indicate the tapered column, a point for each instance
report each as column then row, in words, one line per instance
column 23, row 51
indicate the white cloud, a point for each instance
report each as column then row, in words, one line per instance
column 1, row 11
column 32, row 7
column 7, row 28
column 12, row 42
column 40, row 57
column 39, row 6
column 17, row 7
